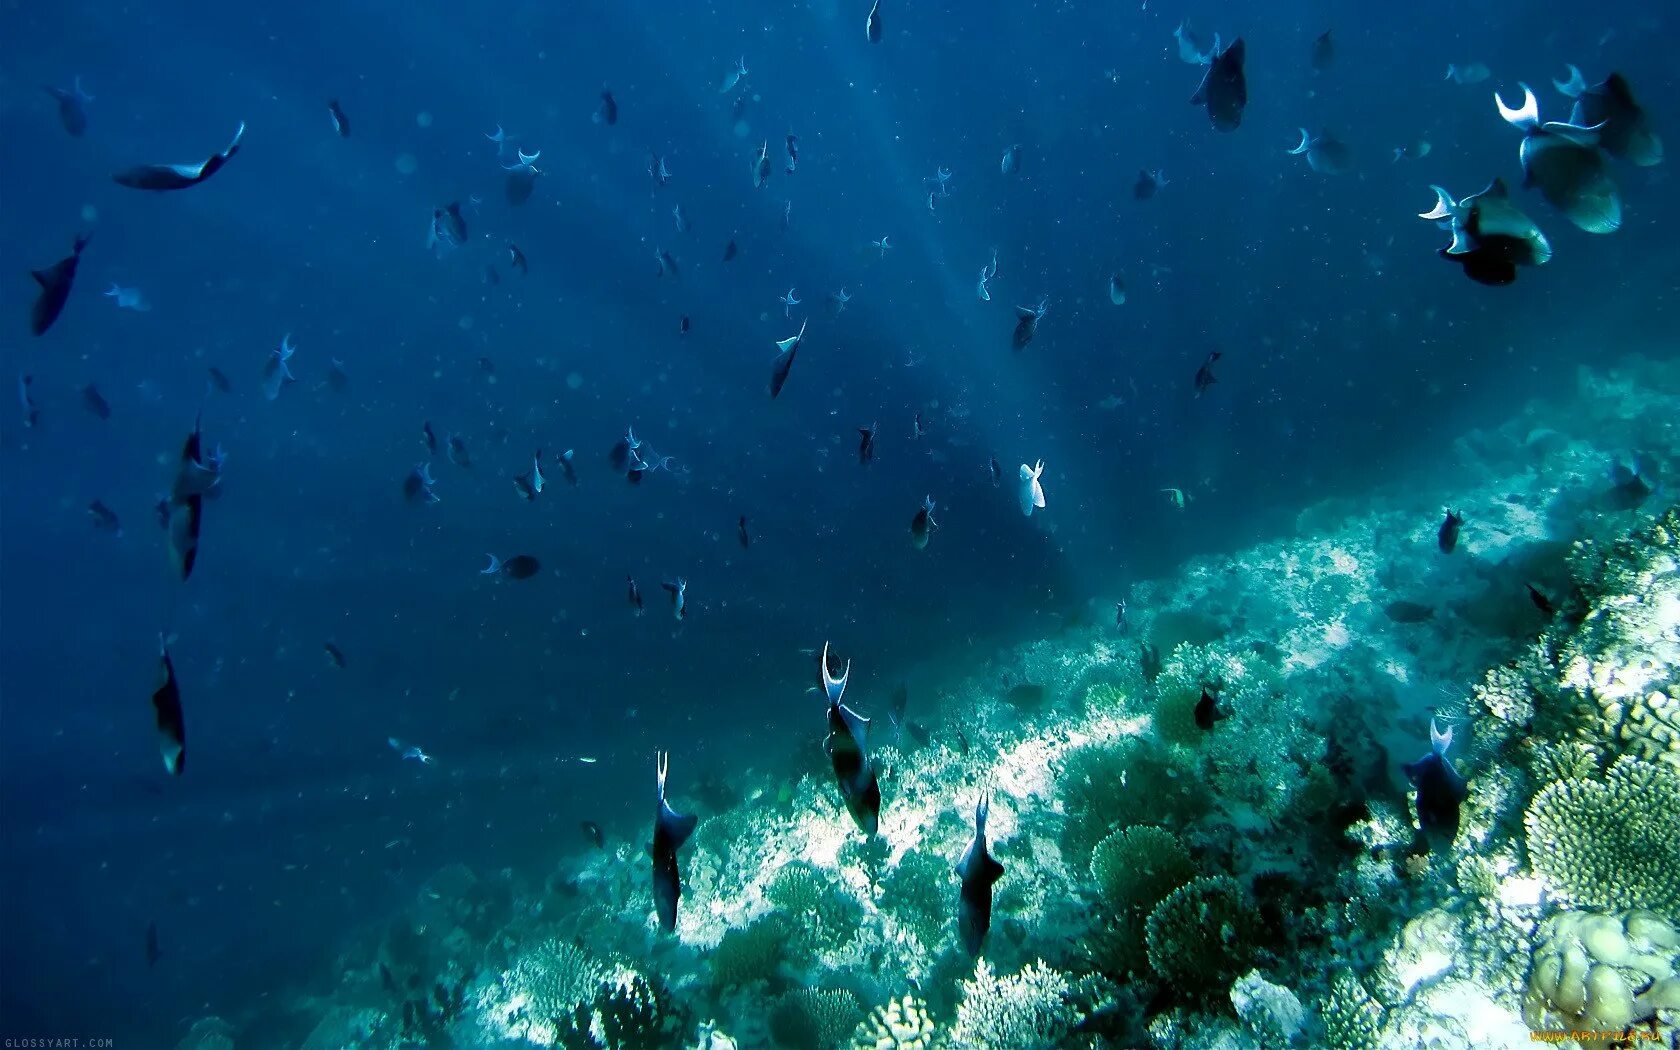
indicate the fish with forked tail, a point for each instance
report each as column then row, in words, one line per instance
column 163, row 177
column 979, row 872
column 846, row 745
column 670, row 830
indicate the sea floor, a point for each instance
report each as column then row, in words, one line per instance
column 1206, row 833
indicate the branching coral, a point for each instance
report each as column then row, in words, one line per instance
column 1026, row 1011
column 1117, row 783
column 1352, row 1019
column 1611, row 843
column 902, row 1024
column 551, row 980
column 815, row 1018
column 918, row 892
column 750, row 953
column 1204, row 934
column 638, row 1014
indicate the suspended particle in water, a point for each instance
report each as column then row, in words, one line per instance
column 89, row 213
column 466, row 322
column 407, row 164
column 423, row 118
column 573, row 380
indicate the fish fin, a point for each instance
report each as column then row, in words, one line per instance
column 1461, row 244
column 494, row 567
column 678, row 826
column 784, row 345
column 1439, row 741
column 1414, row 770
column 1025, row 314
column 1497, row 190
column 1576, row 133
column 1526, row 116
column 857, row 725
column 1618, row 87
column 1575, row 86
column 990, row 867
column 1444, row 208
column 1306, row 144
column 41, row 277
column 1200, row 97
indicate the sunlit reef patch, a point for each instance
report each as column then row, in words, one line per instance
column 1173, row 882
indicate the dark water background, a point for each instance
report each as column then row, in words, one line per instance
column 1352, row 356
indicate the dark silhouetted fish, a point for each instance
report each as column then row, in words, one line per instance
column 979, row 872
column 458, row 451
column 518, row 567
column 786, row 351
column 219, row 380
column 1146, row 185
column 95, row 402
column 1446, row 537
column 872, row 24
column 160, row 177
column 670, row 830
column 55, row 282
column 1208, row 712
column 1564, row 162
column 846, row 745
column 608, row 112
column 678, row 590
column 522, row 177
column 26, row 400
column 417, row 487
column 448, row 226
column 761, row 166
column 997, row 472
column 1224, row 89
column 1440, row 789
column 1204, row 374
column 566, row 467
column 72, row 107
column 1491, row 237
column 171, row 722
column 530, row 483
column 1541, row 602
column 335, row 655
column 338, row 380
column 635, row 594
column 741, row 532
column 897, row 704
column 516, row 259
column 592, row 832
column 1628, row 485
column 186, row 516
column 153, row 951
column 1323, row 52
column 429, row 436
column 922, row 525
column 104, row 518
column 341, row 123
column 1326, row 154
column 683, row 325
column 792, row 148
column 1026, row 323
column 1408, row 612
column 730, row 250
column 1623, row 128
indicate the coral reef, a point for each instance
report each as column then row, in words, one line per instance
column 1603, row 972
column 814, row 1018
column 900, row 1024
column 1611, row 843
column 1204, row 934
column 1025, row 1011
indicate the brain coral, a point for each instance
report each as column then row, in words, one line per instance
column 1611, row 843
column 1603, row 971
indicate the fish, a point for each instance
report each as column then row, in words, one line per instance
column 55, row 282
column 882, row 245
column 1026, row 323
column 1323, row 52
column 730, row 250
column 738, row 108
column 1147, row 183
column 104, row 518
column 592, row 832
column 979, row 872
column 341, row 123
column 429, row 436
column 607, row 113
column 917, row 429
column 1408, row 612
column 162, row 509
column 620, row 455
column 734, row 76
column 530, row 484
column 518, row 567
column 1204, row 373
column 761, row 167
column 866, row 443
column 171, row 721
column 1491, row 236
column 72, row 107
column 1191, row 49
column 786, row 349
column 635, row 595
column 335, row 655
column 458, row 451
column 1031, row 492
column 449, row 227
column 987, row 273
column 792, row 148
column 1440, row 788
column 683, row 325
column 872, row 24
column 997, row 472
column 417, row 487
column 1446, row 537
column 668, row 265
column 1011, row 163
column 566, row 467
column 276, row 371
column 1467, row 73
column 897, row 704
column 163, row 177
column 1564, row 162
column 219, row 380
column 337, row 378
column 678, row 590
column 95, row 402
column 522, row 177
column 670, row 830
column 1416, row 150
column 502, row 140
column 1175, row 497
column 1208, row 712
column 845, row 744
column 657, row 169
column 741, row 532
column 1541, row 602
column 1624, row 130
column 1629, row 488
column 1325, row 153
column 186, row 502
column 1224, row 89
column 683, row 225
column 1116, row 289
column 153, row 951
column 128, row 298
column 789, row 301
column 1120, row 614
column 516, row 259
column 26, row 400
column 922, row 525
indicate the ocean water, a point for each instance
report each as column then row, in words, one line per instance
column 1352, row 358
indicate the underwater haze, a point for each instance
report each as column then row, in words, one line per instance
column 1265, row 349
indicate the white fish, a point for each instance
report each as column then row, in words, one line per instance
column 128, row 298
column 789, row 301
column 1032, row 492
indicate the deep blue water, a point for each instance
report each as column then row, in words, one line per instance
column 1350, row 354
